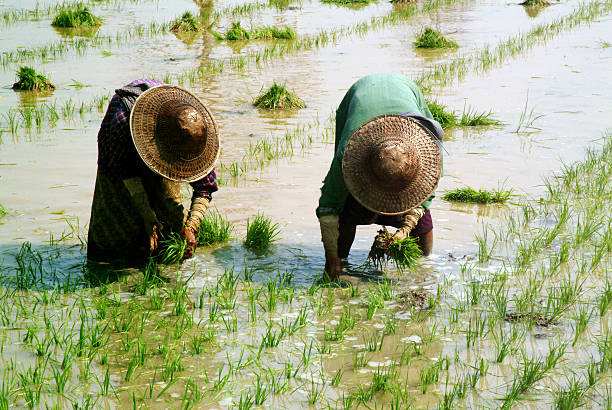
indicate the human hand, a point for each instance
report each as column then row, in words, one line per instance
column 333, row 266
column 191, row 243
column 152, row 229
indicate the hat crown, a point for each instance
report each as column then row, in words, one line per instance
column 394, row 164
column 181, row 131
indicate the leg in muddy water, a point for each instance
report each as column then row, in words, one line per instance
column 346, row 238
column 426, row 242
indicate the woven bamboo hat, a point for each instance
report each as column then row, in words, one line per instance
column 174, row 133
column 391, row 164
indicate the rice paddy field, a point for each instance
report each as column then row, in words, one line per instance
column 511, row 310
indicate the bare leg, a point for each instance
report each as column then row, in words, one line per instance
column 345, row 240
column 426, row 242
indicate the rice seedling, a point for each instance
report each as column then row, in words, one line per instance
column 430, row 38
column 261, row 233
column 186, row 23
column 347, row 2
column 535, row 3
column 237, row 33
column 482, row 196
column 278, row 97
column 171, row 249
column 29, row 79
column 215, row 228
column 405, row 253
column 439, row 112
column 472, row 118
column 75, row 15
column 571, row 398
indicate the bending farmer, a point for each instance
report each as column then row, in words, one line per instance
column 386, row 166
column 153, row 137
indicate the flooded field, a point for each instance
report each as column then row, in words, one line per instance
column 511, row 310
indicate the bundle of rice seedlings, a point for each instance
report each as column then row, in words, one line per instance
column 535, row 3
column 187, row 23
column 75, row 15
column 405, row 253
column 482, row 196
column 346, row 2
column 261, row 233
column 237, row 32
column 440, row 114
column 28, row 79
column 272, row 32
column 278, row 97
column 214, row 229
column 430, row 38
column 171, row 249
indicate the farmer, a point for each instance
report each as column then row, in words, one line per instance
column 386, row 166
column 153, row 137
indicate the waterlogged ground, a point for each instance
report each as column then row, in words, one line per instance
column 510, row 310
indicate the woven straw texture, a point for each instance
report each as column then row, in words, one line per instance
column 157, row 149
column 424, row 163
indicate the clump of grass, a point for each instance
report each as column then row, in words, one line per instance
column 440, row 114
column 237, row 32
column 77, row 15
column 3, row 211
column 405, row 253
column 482, row 196
column 535, row 3
column 261, row 233
column 278, row 97
column 29, row 79
column 430, row 38
column 471, row 118
column 345, row 2
column 171, row 249
column 188, row 22
column 214, row 229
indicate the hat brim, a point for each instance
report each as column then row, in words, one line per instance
column 358, row 177
column 143, row 122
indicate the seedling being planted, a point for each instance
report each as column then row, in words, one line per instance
column 405, row 253
column 482, row 196
column 278, row 97
column 77, row 15
column 261, row 233
column 28, row 79
column 215, row 228
column 171, row 249
column 187, row 23
column 430, row 38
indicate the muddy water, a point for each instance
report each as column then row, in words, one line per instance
column 48, row 175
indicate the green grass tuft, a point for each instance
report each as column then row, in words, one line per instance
column 214, row 229
column 445, row 118
column 471, row 118
column 482, row 196
column 187, row 23
column 345, row 2
column 430, row 38
column 261, row 233
column 237, row 32
column 75, row 15
column 278, row 97
column 3, row 211
column 171, row 249
column 535, row 3
column 28, row 79
column 405, row 253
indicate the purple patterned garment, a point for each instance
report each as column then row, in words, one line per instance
column 117, row 155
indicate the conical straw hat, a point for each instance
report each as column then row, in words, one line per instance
column 391, row 164
column 174, row 133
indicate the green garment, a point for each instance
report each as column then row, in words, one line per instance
column 369, row 97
